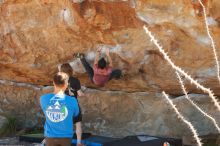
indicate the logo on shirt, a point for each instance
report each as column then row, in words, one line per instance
column 56, row 112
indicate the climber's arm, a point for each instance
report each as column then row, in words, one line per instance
column 109, row 57
column 97, row 56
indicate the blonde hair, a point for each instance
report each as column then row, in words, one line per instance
column 60, row 79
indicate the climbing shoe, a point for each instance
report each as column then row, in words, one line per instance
column 78, row 55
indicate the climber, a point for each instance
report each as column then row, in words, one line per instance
column 59, row 110
column 74, row 90
column 101, row 73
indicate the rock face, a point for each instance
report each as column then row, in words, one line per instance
column 135, row 113
column 21, row 103
column 114, row 113
column 36, row 36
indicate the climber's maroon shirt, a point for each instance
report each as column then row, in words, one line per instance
column 101, row 76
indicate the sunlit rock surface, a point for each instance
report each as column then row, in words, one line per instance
column 36, row 36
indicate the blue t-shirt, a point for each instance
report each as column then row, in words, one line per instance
column 59, row 110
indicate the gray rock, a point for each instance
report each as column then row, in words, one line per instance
column 2, row 121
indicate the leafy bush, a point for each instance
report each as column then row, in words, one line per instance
column 9, row 127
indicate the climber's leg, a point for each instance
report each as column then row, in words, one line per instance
column 116, row 74
column 88, row 68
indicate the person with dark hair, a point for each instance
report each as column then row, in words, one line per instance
column 102, row 63
column 59, row 110
column 101, row 72
column 74, row 90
